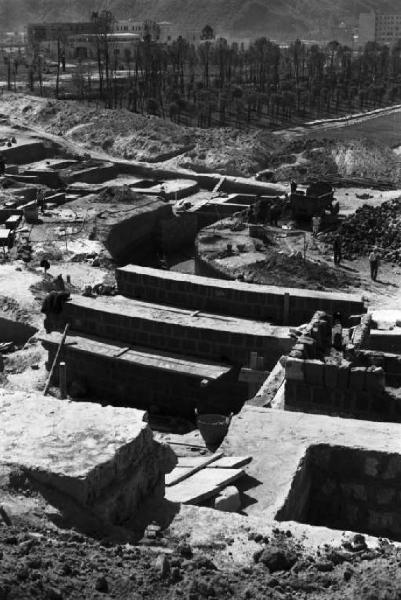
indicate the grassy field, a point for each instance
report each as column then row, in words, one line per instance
column 384, row 129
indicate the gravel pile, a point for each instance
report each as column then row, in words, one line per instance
column 372, row 226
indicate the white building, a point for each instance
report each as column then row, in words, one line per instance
column 380, row 28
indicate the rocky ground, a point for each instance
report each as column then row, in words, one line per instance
column 42, row 561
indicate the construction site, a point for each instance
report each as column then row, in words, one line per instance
column 200, row 372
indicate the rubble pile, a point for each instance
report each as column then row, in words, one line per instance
column 372, row 226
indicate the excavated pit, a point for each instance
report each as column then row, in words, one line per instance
column 346, row 488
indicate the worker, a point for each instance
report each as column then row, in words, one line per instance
column 374, row 260
column 293, row 187
column 337, row 250
column 316, row 221
column 163, row 193
column 275, row 213
column 40, row 200
column 59, row 283
column 44, row 263
column 2, row 164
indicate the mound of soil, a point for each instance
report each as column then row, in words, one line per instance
column 293, row 271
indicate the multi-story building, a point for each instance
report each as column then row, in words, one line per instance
column 380, row 28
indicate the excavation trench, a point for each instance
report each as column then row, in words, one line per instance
column 347, row 489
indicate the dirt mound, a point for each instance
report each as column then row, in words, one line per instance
column 148, row 138
column 293, row 271
column 372, row 226
column 335, row 160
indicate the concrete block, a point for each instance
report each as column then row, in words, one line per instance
column 309, row 346
column 300, row 348
column 336, row 398
column 343, row 375
column 304, row 393
column 314, row 372
column 357, row 379
column 294, row 369
column 229, row 500
column 290, row 393
column 331, row 375
column 375, row 379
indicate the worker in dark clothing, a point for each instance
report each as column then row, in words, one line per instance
column 2, row 164
column 293, row 187
column 374, row 260
column 40, row 200
column 59, row 283
column 44, row 263
column 337, row 250
column 275, row 213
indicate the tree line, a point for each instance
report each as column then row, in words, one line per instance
column 217, row 83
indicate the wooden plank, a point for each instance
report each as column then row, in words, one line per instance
column 226, row 462
column 121, row 352
column 47, row 386
column 179, row 474
column 230, row 462
column 201, row 486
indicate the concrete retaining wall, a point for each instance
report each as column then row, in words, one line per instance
column 258, row 302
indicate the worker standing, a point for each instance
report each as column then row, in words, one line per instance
column 316, row 220
column 337, row 250
column 40, row 200
column 374, row 260
column 59, row 283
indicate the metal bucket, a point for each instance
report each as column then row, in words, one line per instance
column 213, row 428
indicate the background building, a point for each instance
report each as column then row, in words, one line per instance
column 380, row 28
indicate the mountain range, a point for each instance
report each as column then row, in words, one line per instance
column 273, row 18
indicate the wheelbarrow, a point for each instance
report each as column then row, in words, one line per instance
column 213, row 427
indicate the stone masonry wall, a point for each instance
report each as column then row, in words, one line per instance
column 251, row 301
column 324, row 388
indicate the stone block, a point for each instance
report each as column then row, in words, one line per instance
column 385, row 495
column 229, row 500
column 294, row 369
column 336, row 398
column 343, row 375
column 357, row 378
column 393, row 469
column 375, row 379
column 300, row 348
column 321, row 398
column 309, row 346
column 314, row 372
column 304, row 393
column 290, row 393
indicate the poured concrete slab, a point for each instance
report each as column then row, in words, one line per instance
column 93, row 454
column 278, row 440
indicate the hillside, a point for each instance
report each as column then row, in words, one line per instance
column 269, row 17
